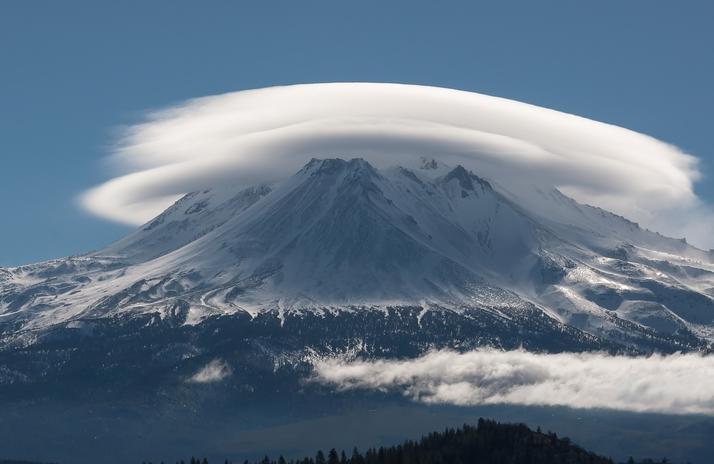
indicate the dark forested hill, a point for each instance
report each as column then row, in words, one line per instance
column 488, row 443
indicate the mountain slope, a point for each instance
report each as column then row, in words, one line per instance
column 191, row 217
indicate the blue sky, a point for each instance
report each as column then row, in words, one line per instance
column 71, row 73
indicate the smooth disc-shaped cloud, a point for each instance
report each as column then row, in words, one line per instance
column 263, row 135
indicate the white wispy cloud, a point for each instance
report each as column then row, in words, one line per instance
column 676, row 384
column 266, row 134
column 214, row 371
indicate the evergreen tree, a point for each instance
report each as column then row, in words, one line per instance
column 332, row 457
column 356, row 457
column 320, row 457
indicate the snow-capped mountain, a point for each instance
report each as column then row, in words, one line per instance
column 344, row 239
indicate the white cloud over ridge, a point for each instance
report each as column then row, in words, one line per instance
column 266, row 134
column 674, row 384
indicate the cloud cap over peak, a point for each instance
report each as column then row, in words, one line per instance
column 266, row 134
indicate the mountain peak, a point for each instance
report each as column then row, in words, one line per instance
column 429, row 164
column 432, row 164
column 334, row 165
column 465, row 178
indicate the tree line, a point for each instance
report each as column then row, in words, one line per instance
column 489, row 442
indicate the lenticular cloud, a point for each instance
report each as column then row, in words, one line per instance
column 676, row 384
column 264, row 135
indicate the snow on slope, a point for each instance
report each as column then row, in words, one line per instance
column 342, row 234
column 191, row 217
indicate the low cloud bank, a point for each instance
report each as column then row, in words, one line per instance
column 674, row 384
column 214, row 371
column 264, row 135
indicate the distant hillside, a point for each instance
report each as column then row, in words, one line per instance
column 489, row 443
